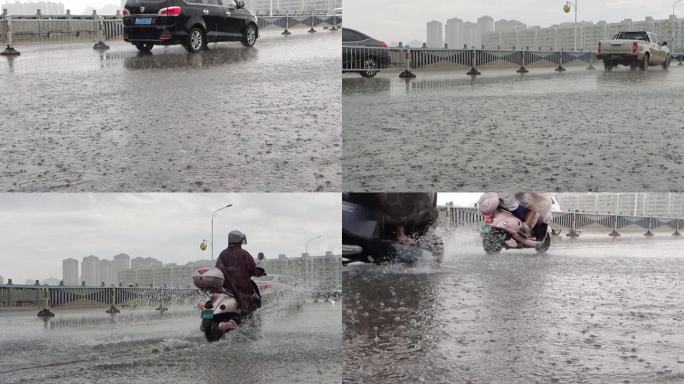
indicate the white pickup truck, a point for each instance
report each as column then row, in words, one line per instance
column 641, row 48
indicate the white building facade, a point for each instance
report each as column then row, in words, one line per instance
column 434, row 34
column 90, row 274
column 453, row 33
column 70, row 272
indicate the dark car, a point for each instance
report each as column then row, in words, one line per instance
column 363, row 54
column 192, row 23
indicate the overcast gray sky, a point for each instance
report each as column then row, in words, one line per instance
column 40, row 230
column 404, row 20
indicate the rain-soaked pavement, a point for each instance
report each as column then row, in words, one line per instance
column 579, row 130
column 141, row 346
column 228, row 119
column 590, row 311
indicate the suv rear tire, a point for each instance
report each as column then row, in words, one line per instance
column 195, row 41
column 249, row 36
column 144, row 47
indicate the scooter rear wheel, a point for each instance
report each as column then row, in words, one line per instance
column 545, row 245
column 213, row 333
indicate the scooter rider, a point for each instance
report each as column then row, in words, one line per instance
column 512, row 203
column 238, row 267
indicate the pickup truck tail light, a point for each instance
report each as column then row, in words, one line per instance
column 635, row 47
column 170, row 11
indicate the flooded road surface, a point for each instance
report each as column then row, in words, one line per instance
column 579, row 130
column 590, row 311
column 227, row 119
column 140, row 346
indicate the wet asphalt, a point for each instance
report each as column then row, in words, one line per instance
column 141, row 346
column 226, row 119
column 576, row 131
column 592, row 310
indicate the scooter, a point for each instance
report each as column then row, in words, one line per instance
column 371, row 223
column 221, row 313
column 502, row 230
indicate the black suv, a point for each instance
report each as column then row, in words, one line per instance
column 192, row 23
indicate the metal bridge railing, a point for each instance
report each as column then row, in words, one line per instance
column 67, row 28
column 574, row 222
column 357, row 59
column 19, row 296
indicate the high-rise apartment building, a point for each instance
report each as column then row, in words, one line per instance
column 434, row 34
column 453, row 33
column 90, row 271
column 70, row 272
column 122, row 262
column 106, row 272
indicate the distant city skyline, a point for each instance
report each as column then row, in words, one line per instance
column 407, row 21
column 514, row 34
column 47, row 229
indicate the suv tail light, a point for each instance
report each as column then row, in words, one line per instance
column 635, row 47
column 125, row 12
column 170, row 11
column 599, row 48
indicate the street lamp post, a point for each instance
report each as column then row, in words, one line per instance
column 310, row 240
column 213, row 215
column 674, row 20
column 567, row 6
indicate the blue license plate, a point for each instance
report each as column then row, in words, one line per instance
column 143, row 21
column 208, row 314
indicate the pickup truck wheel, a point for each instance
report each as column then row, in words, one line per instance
column 607, row 66
column 645, row 62
column 666, row 64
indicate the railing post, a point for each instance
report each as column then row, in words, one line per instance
column 560, row 64
column 38, row 17
column 334, row 26
column 473, row 71
column 407, row 74
column 650, row 226
column 45, row 312
column 591, row 62
column 676, row 232
column 68, row 23
column 113, row 310
column 522, row 68
column 9, row 50
column 286, row 32
column 614, row 233
column 573, row 226
column 99, row 25
column 312, row 30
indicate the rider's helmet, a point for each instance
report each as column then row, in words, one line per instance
column 237, row 237
column 488, row 203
